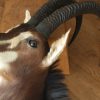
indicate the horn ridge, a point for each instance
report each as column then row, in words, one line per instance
column 49, row 24
column 47, row 9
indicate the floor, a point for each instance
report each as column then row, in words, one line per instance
column 84, row 54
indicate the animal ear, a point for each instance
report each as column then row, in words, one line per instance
column 56, row 49
column 27, row 16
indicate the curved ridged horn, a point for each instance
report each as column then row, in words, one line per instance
column 47, row 9
column 49, row 24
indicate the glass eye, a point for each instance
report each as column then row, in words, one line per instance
column 33, row 43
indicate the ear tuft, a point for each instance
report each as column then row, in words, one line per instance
column 27, row 16
column 56, row 49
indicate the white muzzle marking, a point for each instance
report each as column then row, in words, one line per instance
column 5, row 59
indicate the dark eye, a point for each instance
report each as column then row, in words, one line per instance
column 33, row 43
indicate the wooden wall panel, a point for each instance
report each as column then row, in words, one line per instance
column 84, row 53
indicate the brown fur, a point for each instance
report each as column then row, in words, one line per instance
column 28, row 77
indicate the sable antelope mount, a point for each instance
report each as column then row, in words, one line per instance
column 25, row 57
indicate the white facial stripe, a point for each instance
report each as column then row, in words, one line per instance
column 6, row 58
column 16, row 40
column 56, row 49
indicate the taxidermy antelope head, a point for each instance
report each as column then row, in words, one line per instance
column 25, row 57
